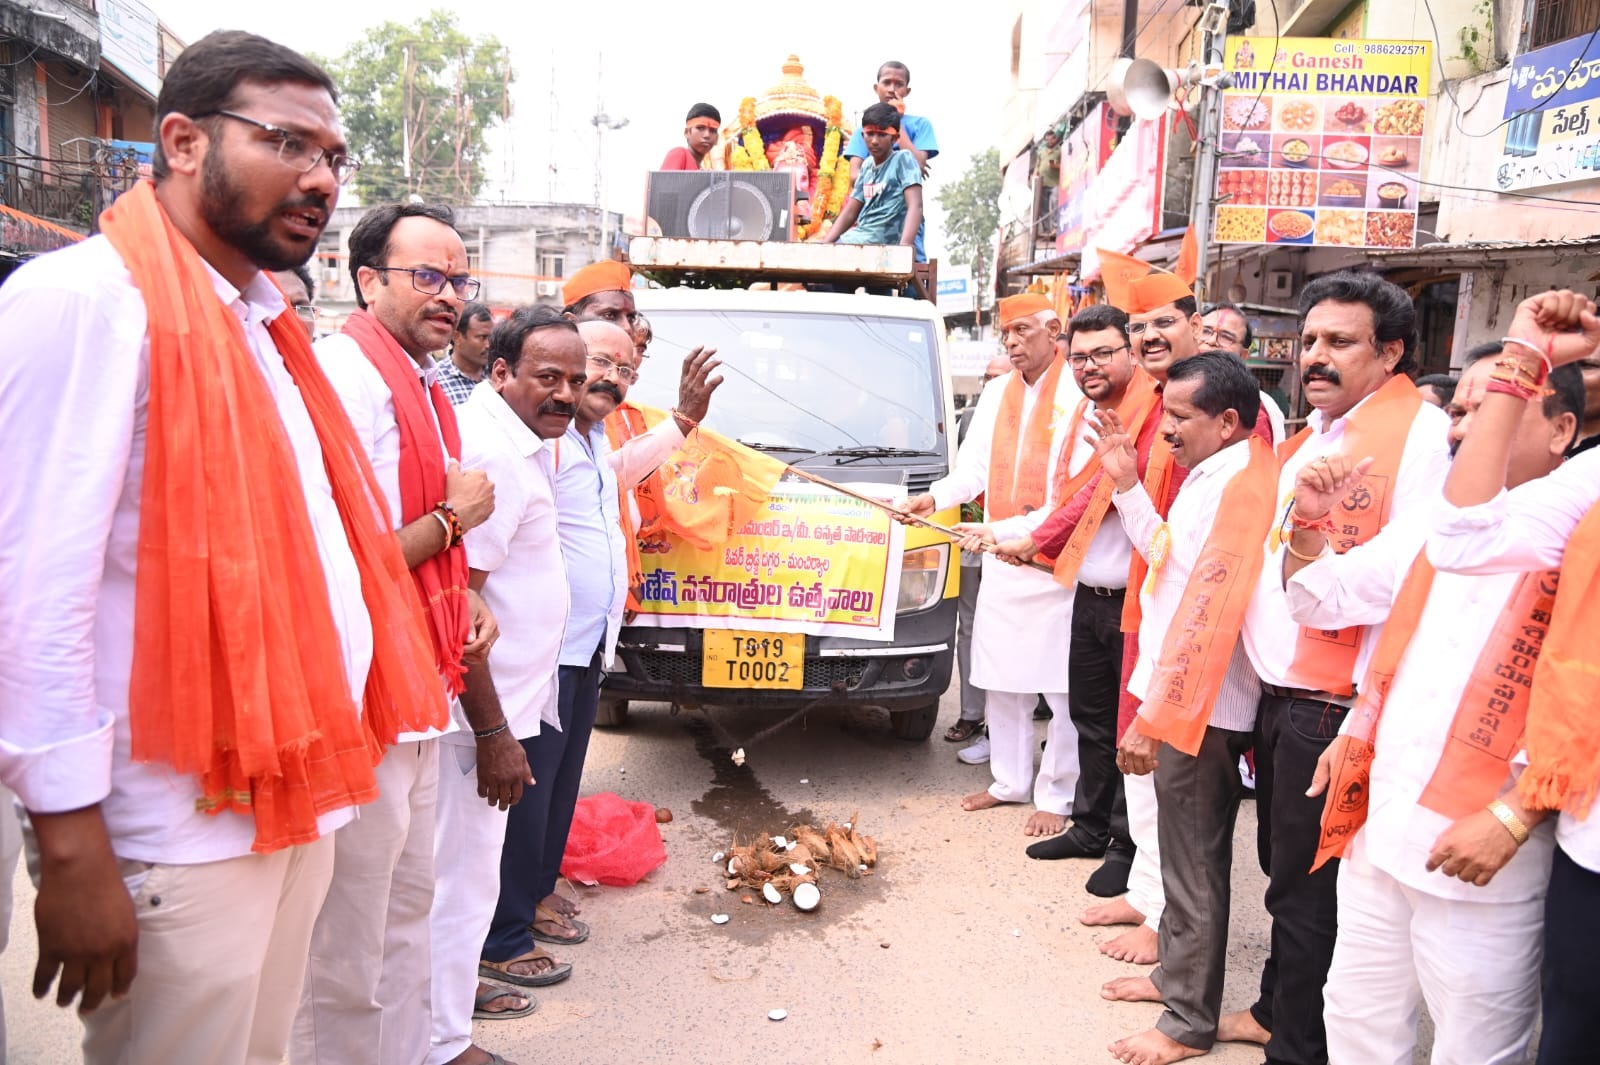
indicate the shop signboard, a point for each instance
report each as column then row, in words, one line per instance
column 1124, row 202
column 1552, row 134
column 1083, row 154
column 1322, row 142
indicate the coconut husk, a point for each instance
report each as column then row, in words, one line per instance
column 801, row 855
column 814, row 842
column 846, row 858
column 773, row 861
column 868, row 848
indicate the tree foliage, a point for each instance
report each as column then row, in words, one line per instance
column 416, row 101
column 972, row 216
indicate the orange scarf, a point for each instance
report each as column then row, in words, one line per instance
column 237, row 676
column 1140, row 399
column 1158, row 486
column 1326, row 660
column 1488, row 727
column 1199, row 643
column 625, row 423
column 1014, row 490
column 441, row 578
column 1563, row 740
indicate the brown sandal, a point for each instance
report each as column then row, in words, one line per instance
column 963, row 730
column 553, row 973
column 544, row 915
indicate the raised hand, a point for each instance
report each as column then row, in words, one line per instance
column 1563, row 325
column 696, row 383
column 1114, row 447
column 1322, row 482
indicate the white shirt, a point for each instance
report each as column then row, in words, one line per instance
column 1194, row 512
column 592, row 547
column 1022, row 623
column 519, row 546
column 1110, row 553
column 367, row 399
column 1526, row 529
column 1270, row 634
column 72, row 440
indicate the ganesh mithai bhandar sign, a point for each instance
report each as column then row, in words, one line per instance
column 793, row 127
column 1322, row 142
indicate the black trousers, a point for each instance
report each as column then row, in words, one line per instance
column 1290, row 736
column 1094, row 686
column 1571, row 945
column 537, row 826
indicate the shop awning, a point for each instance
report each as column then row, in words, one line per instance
column 1482, row 253
column 23, row 235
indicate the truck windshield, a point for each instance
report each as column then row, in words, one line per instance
column 805, row 382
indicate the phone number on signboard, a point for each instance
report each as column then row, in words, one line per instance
column 1393, row 49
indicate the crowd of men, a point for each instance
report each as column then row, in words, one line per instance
column 1220, row 590
column 261, row 590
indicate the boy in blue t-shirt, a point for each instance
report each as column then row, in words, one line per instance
column 916, row 133
column 885, row 206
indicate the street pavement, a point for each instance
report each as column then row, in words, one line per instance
column 959, row 949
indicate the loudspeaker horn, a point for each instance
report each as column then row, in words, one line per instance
column 1148, row 88
column 1114, row 94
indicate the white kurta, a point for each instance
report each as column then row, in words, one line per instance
column 1022, row 625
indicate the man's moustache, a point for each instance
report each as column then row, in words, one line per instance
column 563, row 410
column 606, row 388
column 1321, row 373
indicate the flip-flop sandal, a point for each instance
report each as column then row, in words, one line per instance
column 962, row 731
column 558, row 972
column 489, row 994
column 567, row 899
column 544, row 913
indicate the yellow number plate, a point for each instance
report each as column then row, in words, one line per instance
column 753, row 660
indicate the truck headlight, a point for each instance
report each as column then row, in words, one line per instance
column 922, row 576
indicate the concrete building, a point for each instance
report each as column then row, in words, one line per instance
column 521, row 253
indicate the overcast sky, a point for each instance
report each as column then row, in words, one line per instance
column 648, row 61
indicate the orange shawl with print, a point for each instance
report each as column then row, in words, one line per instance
column 238, row 679
column 1142, row 397
column 1325, row 660
column 1487, row 730
column 1199, row 643
column 1015, row 489
column 623, row 424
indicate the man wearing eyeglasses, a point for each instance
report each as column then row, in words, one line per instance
column 1223, row 327
column 298, row 291
column 366, row 996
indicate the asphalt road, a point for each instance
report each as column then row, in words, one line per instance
column 959, row 949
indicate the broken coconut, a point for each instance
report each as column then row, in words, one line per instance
column 806, row 896
column 771, row 894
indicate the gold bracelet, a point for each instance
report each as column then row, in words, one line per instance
column 1288, row 545
column 1513, row 823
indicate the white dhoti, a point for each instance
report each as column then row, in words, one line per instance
column 367, row 976
column 1144, row 879
column 1476, row 964
column 1021, row 630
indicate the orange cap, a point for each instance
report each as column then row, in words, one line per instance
column 1135, row 287
column 607, row 275
column 1014, row 307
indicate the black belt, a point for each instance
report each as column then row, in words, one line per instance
column 1104, row 593
column 1307, row 695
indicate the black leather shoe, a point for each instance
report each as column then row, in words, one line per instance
column 1070, row 844
column 1111, row 879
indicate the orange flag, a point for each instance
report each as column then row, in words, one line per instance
column 712, row 486
column 1188, row 264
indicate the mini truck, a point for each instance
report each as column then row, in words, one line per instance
column 851, row 387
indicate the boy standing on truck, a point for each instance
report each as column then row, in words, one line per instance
column 916, row 133
column 885, row 207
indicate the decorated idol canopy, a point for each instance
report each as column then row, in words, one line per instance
column 793, row 127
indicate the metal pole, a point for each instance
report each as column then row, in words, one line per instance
column 1205, row 171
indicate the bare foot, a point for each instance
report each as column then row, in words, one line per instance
column 1136, row 945
column 1241, row 1027
column 561, row 904
column 1044, row 823
column 1117, row 911
column 1151, row 1047
column 980, row 800
column 1131, row 989
column 507, row 1000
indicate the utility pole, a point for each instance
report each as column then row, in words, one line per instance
column 602, row 122
column 1213, row 38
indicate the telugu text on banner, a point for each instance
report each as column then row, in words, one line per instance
column 1322, row 142
column 813, row 561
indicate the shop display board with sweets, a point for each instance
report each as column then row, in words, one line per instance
column 1321, row 142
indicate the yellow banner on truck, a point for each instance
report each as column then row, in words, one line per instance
column 813, row 561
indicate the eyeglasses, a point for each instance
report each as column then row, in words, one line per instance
column 1099, row 356
column 1221, row 336
column 1137, row 328
column 307, row 313
column 432, row 282
column 295, row 152
column 625, row 374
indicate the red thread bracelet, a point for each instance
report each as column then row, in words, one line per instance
column 684, row 418
column 1323, row 525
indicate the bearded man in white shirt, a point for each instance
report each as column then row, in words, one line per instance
column 1441, row 885
column 528, row 398
column 1358, row 342
column 195, row 708
column 367, row 982
column 1550, row 522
